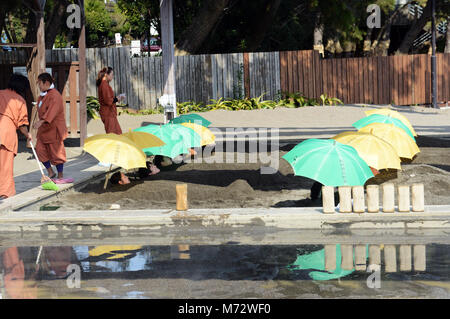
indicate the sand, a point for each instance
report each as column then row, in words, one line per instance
column 230, row 185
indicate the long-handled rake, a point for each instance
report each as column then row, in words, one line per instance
column 46, row 182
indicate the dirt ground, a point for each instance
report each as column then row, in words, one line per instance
column 229, row 185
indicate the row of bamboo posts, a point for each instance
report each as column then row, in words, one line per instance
column 352, row 198
column 354, row 257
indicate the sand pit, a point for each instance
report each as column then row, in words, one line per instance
column 230, row 185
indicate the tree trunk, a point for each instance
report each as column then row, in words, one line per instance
column 54, row 23
column 262, row 21
column 194, row 36
column 318, row 35
column 415, row 29
column 447, row 45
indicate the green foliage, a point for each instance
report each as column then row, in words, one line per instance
column 93, row 107
column 329, row 100
column 294, row 100
column 291, row 100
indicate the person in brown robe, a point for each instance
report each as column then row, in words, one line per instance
column 108, row 110
column 52, row 129
column 107, row 100
column 13, row 116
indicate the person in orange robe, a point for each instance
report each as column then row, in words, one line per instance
column 108, row 110
column 16, row 285
column 52, row 129
column 107, row 100
column 13, row 116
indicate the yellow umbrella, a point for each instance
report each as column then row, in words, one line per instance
column 112, row 252
column 207, row 137
column 394, row 114
column 403, row 144
column 115, row 149
column 144, row 139
column 376, row 152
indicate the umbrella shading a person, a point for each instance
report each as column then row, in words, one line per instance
column 107, row 100
column 52, row 129
column 13, row 116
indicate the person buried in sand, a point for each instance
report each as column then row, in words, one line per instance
column 52, row 129
column 13, row 116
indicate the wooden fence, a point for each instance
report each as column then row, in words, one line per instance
column 401, row 80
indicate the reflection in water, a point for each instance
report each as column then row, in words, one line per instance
column 283, row 271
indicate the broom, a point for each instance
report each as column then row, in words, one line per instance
column 46, row 182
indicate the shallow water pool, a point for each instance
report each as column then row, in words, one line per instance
column 230, row 270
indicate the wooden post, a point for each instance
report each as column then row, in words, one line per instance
column 184, row 252
column 358, row 199
column 166, row 14
column 419, row 258
column 182, row 201
column 373, row 199
column 405, row 257
column 390, row 258
column 388, row 198
column 330, row 257
column 82, row 77
column 403, row 198
column 418, row 202
column 360, row 258
column 36, row 66
column 374, row 255
column 347, row 257
column 328, row 200
column 345, row 199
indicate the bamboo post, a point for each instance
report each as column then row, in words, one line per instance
column 360, row 257
column 405, row 257
column 182, row 201
column 373, row 199
column 418, row 202
column 108, row 175
column 403, row 198
column 328, row 200
column 330, row 257
column 390, row 258
column 345, row 199
column 419, row 258
column 388, row 198
column 374, row 255
column 184, row 252
column 358, row 199
column 347, row 257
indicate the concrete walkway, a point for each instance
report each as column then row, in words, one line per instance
column 293, row 125
column 437, row 217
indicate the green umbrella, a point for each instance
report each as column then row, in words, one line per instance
column 191, row 118
column 328, row 162
column 175, row 144
column 190, row 137
column 378, row 118
column 316, row 262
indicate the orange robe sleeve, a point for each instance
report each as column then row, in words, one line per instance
column 13, row 114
